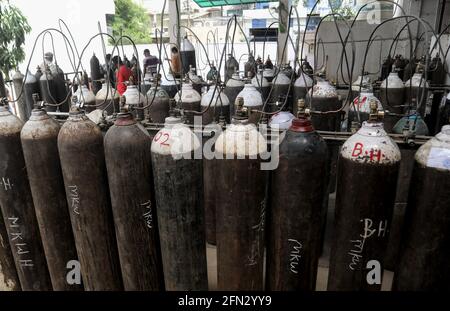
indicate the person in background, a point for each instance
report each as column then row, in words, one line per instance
column 150, row 62
column 48, row 60
column 123, row 74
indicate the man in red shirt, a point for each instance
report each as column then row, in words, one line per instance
column 123, row 75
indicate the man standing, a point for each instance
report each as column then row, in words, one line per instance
column 150, row 62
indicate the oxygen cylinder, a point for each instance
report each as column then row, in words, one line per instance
column 61, row 90
column 281, row 87
column 437, row 71
column 218, row 105
column 414, row 90
column 324, row 97
column 9, row 281
column 128, row 162
column 268, row 64
column 400, row 64
column 169, row 85
column 212, row 74
column 17, row 79
column 269, row 74
column 231, row 66
column 281, row 121
column 38, row 74
column 30, row 87
column 96, row 74
column 80, row 146
column 423, row 260
column 367, row 178
column 86, row 98
column 299, row 186
column 412, row 123
column 359, row 83
column 444, row 111
column 409, row 69
column 158, row 99
column 386, row 67
column 197, row 82
column 301, row 88
column 48, row 90
column 252, row 101
column 262, row 85
column 232, row 88
column 107, row 98
column 187, row 55
column 361, row 106
column 392, row 91
column 250, row 67
column 306, row 68
column 39, row 138
column 17, row 208
column 240, row 205
column 134, row 99
column 179, row 194
column 188, row 99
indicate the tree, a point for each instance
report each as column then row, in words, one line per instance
column 13, row 28
column 131, row 19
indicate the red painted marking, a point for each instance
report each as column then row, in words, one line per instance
column 157, row 136
column 357, row 150
column 375, row 154
column 167, row 136
column 162, row 135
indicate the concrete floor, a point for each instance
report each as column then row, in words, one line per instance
column 322, row 271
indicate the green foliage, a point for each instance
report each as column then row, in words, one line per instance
column 132, row 20
column 13, row 28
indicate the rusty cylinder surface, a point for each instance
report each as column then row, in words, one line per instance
column 80, row 146
column 17, row 208
column 39, row 138
column 299, row 186
column 240, row 208
column 179, row 194
column 128, row 161
column 367, row 178
column 9, row 281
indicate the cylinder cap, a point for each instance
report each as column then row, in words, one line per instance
column 301, row 125
column 124, row 118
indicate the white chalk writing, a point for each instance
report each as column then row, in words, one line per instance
column 17, row 242
column 358, row 245
column 74, row 199
column 258, row 232
column 294, row 255
column 6, row 183
column 148, row 217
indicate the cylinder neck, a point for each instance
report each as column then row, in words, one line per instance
column 124, row 119
column 302, row 125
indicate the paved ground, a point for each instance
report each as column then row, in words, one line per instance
column 322, row 273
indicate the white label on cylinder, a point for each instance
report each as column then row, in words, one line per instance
column 439, row 158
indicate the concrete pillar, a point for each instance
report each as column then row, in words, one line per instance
column 283, row 20
column 174, row 19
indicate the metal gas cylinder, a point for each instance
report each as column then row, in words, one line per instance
column 107, row 98
column 324, row 97
column 187, row 55
column 281, row 86
column 197, row 82
column 169, row 85
column 425, row 249
column 86, row 98
column 252, row 101
column 400, row 64
column 128, row 162
column 268, row 64
column 30, row 87
column 232, row 88
column 48, row 89
column 269, row 74
column 301, row 88
column 240, row 205
column 392, row 91
column 411, row 124
column 158, row 99
column 231, row 66
column 62, row 90
column 436, row 71
column 80, row 146
column 359, row 83
column 135, row 101
column 359, row 109
column 299, row 186
column 281, row 121
column 386, row 67
column 250, row 67
column 39, row 138
column 262, row 85
column 410, row 68
column 306, row 68
column 417, row 88
column 17, row 208
column 367, row 177
column 188, row 99
column 178, row 188
column 96, row 74
column 9, row 281
column 38, row 73
column 218, row 105
column 17, row 79
column 212, row 74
